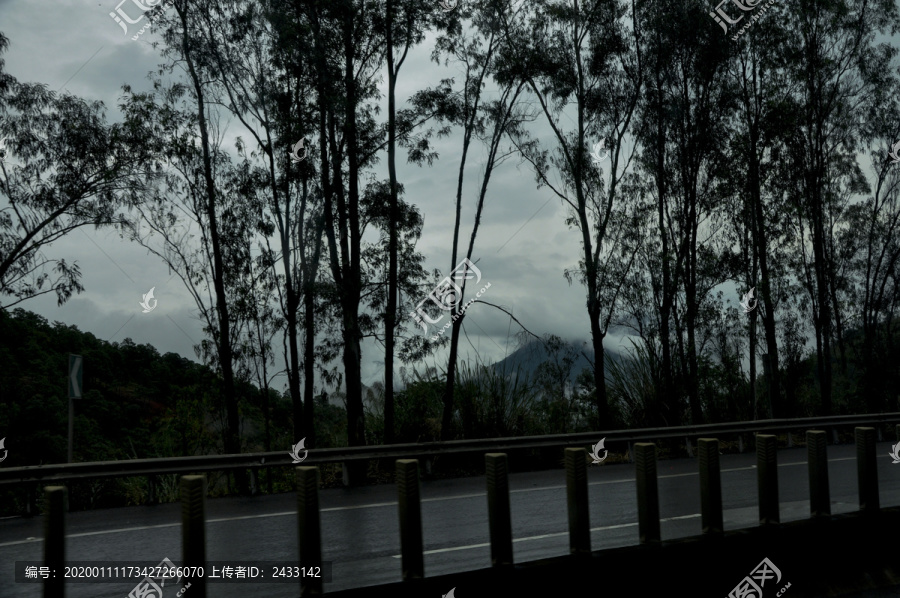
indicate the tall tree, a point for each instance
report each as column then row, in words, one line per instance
column 581, row 56
column 62, row 169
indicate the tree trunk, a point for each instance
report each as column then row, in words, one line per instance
column 232, row 433
column 391, row 313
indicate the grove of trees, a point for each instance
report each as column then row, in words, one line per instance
column 760, row 163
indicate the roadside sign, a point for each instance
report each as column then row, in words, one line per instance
column 75, row 376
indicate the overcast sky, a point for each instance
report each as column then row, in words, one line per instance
column 523, row 243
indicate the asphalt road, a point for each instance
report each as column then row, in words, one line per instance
column 360, row 526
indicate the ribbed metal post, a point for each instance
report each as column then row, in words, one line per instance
column 409, row 503
column 497, row 472
column 817, row 458
column 767, row 478
column 867, row 470
column 647, row 492
column 309, row 526
column 577, row 499
column 193, row 530
column 710, row 486
column 55, row 539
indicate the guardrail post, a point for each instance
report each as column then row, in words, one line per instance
column 152, row 499
column 710, row 486
column 254, row 486
column 834, row 436
column 790, row 439
column 767, row 478
column 631, row 448
column 690, row 449
column 577, row 500
column 193, row 530
column 409, row 502
column 867, row 470
column 819, row 494
column 880, row 435
column 740, row 443
column 309, row 528
column 647, row 492
column 497, row 472
column 55, row 539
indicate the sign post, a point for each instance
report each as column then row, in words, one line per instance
column 75, row 379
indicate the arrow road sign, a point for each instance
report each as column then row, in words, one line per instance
column 75, row 376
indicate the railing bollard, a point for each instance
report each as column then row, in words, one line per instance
column 193, row 530
column 710, row 486
column 767, row 478
column 577, row 500
column 409, row 502
column 687, row 445
column 819, row 493
column 309, row 526
column 55, row 539
column 497, row 472
column 647, row 492
column 867, row 470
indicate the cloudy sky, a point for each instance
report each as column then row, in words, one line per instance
column 523, row 244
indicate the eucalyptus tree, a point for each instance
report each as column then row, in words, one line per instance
column 347, row 56
column 62, row 168
column 757, row 123
column 264, row 79
column 838, row 66
column 195, row 193
column 874, row 236
column 582, row 63
column 471, row 43
column 404, row 28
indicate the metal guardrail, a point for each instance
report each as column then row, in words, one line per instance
column 168, row 465
column 193, row 496
column 148, row 467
